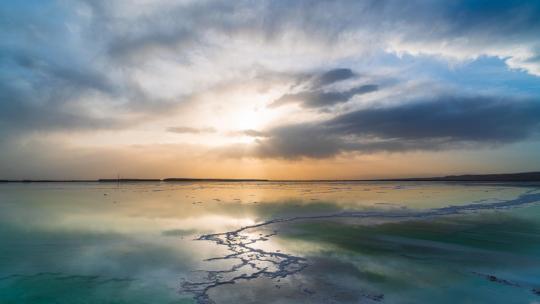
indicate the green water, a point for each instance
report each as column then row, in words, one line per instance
column 134, row 243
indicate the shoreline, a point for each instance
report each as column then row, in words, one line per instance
column 507, row 177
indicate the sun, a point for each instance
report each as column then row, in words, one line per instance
column 247, row 110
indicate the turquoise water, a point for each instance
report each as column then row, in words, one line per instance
column 304, row 243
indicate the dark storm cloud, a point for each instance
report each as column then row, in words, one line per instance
column 455, row 118
column 302, row 140
column 320, row 98
column 432, row 124
column 315, row 94
column 334, row 75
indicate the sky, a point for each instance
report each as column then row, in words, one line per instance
column 268, row 89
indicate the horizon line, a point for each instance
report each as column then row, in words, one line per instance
column 519, row 176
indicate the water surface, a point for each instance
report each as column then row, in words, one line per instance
column 339, row 242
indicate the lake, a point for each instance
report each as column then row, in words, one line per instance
column 270, row 242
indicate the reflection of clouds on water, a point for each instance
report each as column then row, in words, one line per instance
column 178, row 232
column 67, row 288
column 241, row 245
column 38, row 264
column 27, row 251
column 147, row 237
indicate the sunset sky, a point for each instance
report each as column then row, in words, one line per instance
column 268, row 89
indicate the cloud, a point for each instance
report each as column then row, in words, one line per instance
column 248, row 132
column 86, row 65
column 22, row 112
column 443, row 122
column 462, row 29
column 302, row 140
column 332, row 76
column 315, row 94
column 147, row 56
column 456, row 118
column 320, row 98
column 254, row 133
column 183, row 130
column 51, row 81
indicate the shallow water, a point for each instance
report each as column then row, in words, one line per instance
column 340, row 242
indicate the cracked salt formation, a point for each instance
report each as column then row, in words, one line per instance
column 277, row 264
column 281, row 265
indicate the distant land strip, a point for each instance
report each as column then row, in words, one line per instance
column 507, row 177
column 181, row 179
column 127, row 180
column 48, row 180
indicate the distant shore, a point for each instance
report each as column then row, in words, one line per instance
column 506, row 177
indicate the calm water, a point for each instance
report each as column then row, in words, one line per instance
column 316, row 243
